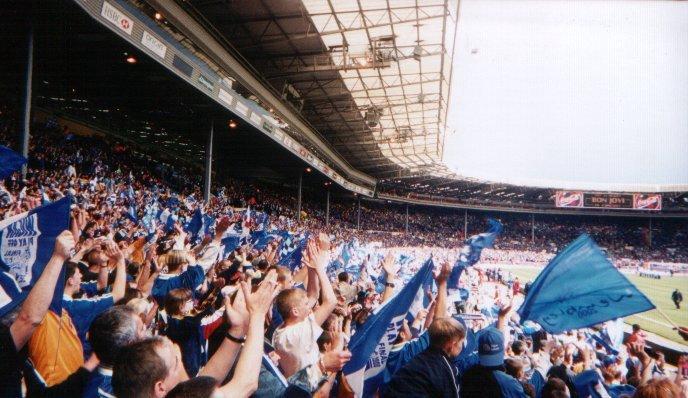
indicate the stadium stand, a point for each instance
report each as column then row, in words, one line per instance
column 292, row 275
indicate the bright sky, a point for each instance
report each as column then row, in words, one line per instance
column 571, row 94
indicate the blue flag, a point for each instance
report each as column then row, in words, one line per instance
column 196, row 224
column 261, row 239
column 27, row 242
column 230, row 243
column 292, row 254
column 10, row 161
column 131, row 214
column 470, row 253
column 371, row 343
column 208, row 224
column 580, row 288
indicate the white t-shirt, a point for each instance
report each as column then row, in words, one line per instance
column 297, row 345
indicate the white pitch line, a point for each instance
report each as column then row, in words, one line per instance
column 654, row 321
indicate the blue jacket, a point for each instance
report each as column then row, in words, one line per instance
column 429, row 374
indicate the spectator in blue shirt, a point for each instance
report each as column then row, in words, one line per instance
column 84, row 310
column 190, row 331
column 111, row 331
column 180, row 274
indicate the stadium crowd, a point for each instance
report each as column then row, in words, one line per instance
column 150, row 309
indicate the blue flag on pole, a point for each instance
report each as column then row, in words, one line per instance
column 580, row 288
column 470, row 253
column 371, row 343
column 27, row 241
column 10, row 161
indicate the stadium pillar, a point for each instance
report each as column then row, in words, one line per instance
column 649, row 234
column 27, row 100
column 208, row 163
column 532, row 228
column 465, row 224
column 327, row 209
column 358, row 217
column 407, row 211
column 298, row 198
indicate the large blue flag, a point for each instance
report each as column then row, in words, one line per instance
column 471, row 251
column 10, row 161
column 27, row 242
column 371, row 343
column 581, row 288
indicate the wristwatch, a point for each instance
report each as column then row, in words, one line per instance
column 238, row 340
column 389, row 284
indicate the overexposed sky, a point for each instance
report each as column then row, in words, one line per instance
column 571, row 94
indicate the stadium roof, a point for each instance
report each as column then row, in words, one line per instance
column 91, row 61
column 372, row 77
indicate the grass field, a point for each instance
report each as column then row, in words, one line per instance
column 658, row 290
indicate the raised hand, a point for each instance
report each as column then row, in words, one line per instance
column 64, row 245
column 317, row 258
column 258, row 302
column 323, row 241
column 334, row 361
column 505, row 310
column 237, row 314
column 112, row 251
column 388, row 264
column 444, row 272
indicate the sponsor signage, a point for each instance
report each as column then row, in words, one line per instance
column 255, row 118
column 153, row 44
column 579, row 199
column 242, row 108
column 647, row 201
column 267, row 126
column 608, row 201
column 206, row 82
column 182, row 66
column 569, row 199
column 225, row 97
column 117, row 18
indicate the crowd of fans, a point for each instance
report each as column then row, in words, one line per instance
column 155, row 313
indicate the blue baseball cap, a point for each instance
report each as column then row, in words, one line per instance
column 491, row 347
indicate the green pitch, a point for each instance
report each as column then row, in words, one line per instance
column 658, row 290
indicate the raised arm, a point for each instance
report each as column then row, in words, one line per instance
column 245, row 380
column 441, row 280
column 36, row 304
column 221, row 362
column 318, row 262
column 391, row 271
column 120, row 284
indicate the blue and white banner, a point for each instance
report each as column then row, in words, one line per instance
column 563, row 298
column 27, row 241
column 370, row 345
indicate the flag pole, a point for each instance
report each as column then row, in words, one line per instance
column 665, row 316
